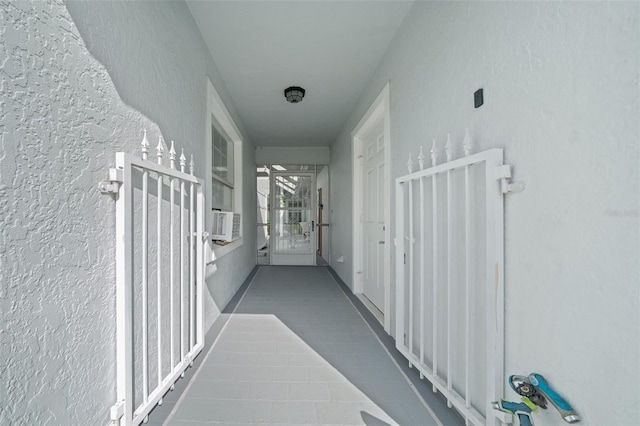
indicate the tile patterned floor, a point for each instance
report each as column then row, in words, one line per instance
column 296, row 351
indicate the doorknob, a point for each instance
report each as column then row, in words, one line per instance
column 380, row 242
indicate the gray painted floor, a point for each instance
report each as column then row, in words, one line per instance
column 296, row 351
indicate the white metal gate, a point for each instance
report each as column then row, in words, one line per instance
column 160, row 277
column 449, row 277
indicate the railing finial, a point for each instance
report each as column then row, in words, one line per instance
column 144, row 145
column 434, row 153
column 172, row 156
column 192, row 165
column 448, row 148
column 466, row 143
column 410, row 164
column 421, row 159
column 183, row 161
column 160, row 150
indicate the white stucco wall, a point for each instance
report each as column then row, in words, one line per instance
column 562, row 98
column 159, row 64
column 64, row 113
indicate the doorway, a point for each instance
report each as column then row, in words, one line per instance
column 371, row 209
column 287, row 207
column 293, row 210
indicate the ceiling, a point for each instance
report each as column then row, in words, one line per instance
column 330, row 48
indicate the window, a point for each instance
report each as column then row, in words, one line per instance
column 222, row 170
column 224, row 173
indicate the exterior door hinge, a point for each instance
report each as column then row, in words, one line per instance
column 504, row 174
column 111, row 185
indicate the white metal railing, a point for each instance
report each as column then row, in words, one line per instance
column 151, row 264
column 449, row 276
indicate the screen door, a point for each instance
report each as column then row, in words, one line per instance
column 293, row 210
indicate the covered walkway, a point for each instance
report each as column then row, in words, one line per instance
column 297, row 349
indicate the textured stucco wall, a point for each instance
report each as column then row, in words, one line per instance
column 561, row 97
column 62, row 118
column 159, row 64
column 61, row 122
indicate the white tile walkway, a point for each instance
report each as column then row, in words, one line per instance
column 296, row 351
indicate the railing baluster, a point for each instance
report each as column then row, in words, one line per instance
column 192, row 259
column 421, row 158
column 159, row 152
column 183, row 162
column 172, row 164
column 411, row 282
column 400, row 264
column 448, row 147
column 145, row 260
column 422, row 264
column 200, row 266
column 434, row 182
column 467, row 286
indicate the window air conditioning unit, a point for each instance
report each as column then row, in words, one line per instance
column 226, row 226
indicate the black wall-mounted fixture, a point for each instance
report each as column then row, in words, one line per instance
column 478, row 98
column 294, row 94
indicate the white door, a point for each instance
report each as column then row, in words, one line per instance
column 293, row 213
column 373, row 211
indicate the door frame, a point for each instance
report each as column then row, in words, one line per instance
column 377, row 112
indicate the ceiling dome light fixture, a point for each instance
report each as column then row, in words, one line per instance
column 294, row 94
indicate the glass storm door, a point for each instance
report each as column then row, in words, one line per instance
column 293, row 209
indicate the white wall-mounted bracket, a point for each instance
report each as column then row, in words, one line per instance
column 111, row 185
column 117, row 411
column 504, row 174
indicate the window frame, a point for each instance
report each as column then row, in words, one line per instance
column 218, row 115
column 229, row 164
